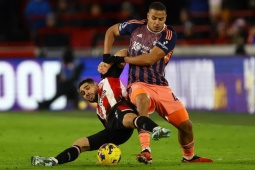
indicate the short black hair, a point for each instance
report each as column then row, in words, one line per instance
column 157, row 6
column 88, row 80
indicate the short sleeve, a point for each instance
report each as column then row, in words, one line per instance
column 126, row 28
column 168, row 41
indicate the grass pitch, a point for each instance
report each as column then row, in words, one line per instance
column 229, row 139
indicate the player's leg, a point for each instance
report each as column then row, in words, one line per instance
column 181, row 120
column 131, row 120
column 176, row 114
column 145, row 105
column 70, row 154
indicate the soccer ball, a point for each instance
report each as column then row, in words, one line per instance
column 109, row 154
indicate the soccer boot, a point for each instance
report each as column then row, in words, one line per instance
column 197, row 159
column 42, row 161
column 144, row 157
column 159, row 132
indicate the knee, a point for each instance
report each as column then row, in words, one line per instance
column 142, row 99
column 128, row 120
column 83, row 143
column 186, row 126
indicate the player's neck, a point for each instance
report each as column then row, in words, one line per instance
column 157, row 31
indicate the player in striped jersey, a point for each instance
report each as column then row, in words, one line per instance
column 118, row 115
column 151, row 47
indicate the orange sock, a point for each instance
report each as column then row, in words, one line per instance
column 144, row 137
column 188, row 150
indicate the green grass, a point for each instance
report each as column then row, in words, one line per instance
column 229, row 139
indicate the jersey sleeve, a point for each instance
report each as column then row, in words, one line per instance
column 167, row 41
column 126, row 28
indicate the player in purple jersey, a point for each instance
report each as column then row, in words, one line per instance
column 151, row 46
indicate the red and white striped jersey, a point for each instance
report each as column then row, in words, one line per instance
column 110, row 91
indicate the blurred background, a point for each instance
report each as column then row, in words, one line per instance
column 48, row 46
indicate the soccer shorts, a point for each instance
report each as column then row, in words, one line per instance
column 116, row 136
column 115, row 131
column 162, row 100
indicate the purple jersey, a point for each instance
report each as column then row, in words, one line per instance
column 141, row 42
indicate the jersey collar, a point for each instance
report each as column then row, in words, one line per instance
column 156, row 32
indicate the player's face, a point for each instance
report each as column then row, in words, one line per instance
column 156, row 20
column 89, row 92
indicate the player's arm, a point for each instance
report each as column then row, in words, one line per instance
column 110, row 35
column 146, row 59
column 141, row 60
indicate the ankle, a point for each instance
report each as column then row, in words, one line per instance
column 147, row 149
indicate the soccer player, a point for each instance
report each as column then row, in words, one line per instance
column 118, row 115
column 151, row 46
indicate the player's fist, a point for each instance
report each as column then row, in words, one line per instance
column 103, row 67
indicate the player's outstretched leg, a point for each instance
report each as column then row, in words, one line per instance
column 68, row 155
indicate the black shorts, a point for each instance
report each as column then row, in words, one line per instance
column 116, row 136
column 115, row 132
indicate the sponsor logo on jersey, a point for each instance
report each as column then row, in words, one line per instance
column 122, row 25
column 162, row 45
column 116, row 114
column 138, row 46
column 103, row 94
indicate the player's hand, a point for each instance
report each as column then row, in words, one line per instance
column 103, row 67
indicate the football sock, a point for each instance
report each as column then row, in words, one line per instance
column 69, row 154
column 188, row 150
column 144, row 137
column 143, row 122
